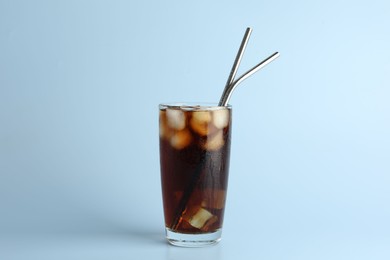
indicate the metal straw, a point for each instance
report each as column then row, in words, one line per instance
column 231, row 84
column 229, row 89
column 239, row 55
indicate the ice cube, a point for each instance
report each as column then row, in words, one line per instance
column 201, row 116
column 162, row 123
column 201, row 217
column 165, row 132
column 200, row 122
column 176, row 119
column 181, row 139
column 215, row 141
column 214, row 198
column 221, row 118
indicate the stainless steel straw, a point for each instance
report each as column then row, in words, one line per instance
column 231, row 84
column 229, row 90
column 239, row 55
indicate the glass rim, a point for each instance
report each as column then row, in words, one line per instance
column 193, row 106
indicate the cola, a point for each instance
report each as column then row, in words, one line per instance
column 194, row 159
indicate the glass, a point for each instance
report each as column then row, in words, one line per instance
column 194, row 159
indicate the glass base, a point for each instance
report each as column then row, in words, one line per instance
column 193, row 240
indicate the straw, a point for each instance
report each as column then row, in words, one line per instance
column 195, row 178
column 239, row 55
column 231, row 84
column 229, row 89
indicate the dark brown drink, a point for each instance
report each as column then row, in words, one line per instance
column 194, row 156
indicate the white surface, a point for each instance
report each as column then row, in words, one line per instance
column 239, row 243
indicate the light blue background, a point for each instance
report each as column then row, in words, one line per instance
column 80, row 82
